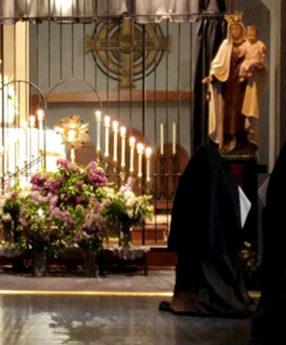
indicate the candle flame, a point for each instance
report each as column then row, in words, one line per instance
column 122, row 131
column 132, row 141
column 115, row 126
column 40, row 114
column 140, row 148
column 148, row 152
column 106, row 121
column 98, row 115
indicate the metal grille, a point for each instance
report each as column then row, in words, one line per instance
column 65, row 77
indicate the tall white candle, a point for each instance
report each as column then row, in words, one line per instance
column 148, row 156
column 106, row 129
column 161, row 138
column 123, row 140
column 140, row 152
column 115, row 134
column 132, row 141
column 41, row 115
column 98, row 124
column 174, row 137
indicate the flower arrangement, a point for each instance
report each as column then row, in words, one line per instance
column 124, row 209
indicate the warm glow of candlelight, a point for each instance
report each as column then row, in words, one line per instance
column 122, row 131
column 115, row 126
column 115, row 132
column 32, row 121
column 40, row 115
column 98, row 115
column 123, row 140
column 148, row 152
column 107, row 121
column 140, row 149
column 132, row 141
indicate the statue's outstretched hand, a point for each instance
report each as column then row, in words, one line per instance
column 207, row 79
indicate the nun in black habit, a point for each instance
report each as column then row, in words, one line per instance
column 206, row 233
column 269, row 320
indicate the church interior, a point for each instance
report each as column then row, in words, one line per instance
column 103, row 104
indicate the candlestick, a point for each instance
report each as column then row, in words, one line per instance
column 123, row 139
column 98, row 122
column 174, row 138
column 140, row 152
column 161, row 138
column 41, row 115
column 148, row 155
column 106, row 125
column 115, row 132
column 132, row 141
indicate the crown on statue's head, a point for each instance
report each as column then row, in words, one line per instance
column 235, row 18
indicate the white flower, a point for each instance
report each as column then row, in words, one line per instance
column 130, row 213
column 6, row 217
column 130, row 198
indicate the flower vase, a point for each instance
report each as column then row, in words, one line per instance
column 7, row 231
column 125, row 238
column 39, row 263
column 89, row 265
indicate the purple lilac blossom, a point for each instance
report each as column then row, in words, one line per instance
column 66, row 164
column 63, row 215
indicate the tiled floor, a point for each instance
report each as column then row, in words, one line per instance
column 32, row 319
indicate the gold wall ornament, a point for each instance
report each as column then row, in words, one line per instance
column 234, row 18
column 117, row 49
column 74, row 133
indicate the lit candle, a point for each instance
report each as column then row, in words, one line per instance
column 174, row 138
column 98, row 122
column 106, row 126
column 115, row 132
column 41, row 115
column 123, row 139
column 32, row 121
column 132, row 141
column 161, row 138
column 148, row 155
column 140, row 152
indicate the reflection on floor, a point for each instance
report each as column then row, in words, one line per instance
column 105, row 319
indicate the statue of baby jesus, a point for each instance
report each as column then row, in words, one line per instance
column 253, row 51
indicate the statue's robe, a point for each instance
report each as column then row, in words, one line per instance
column 206, row 233
column 233, row 106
